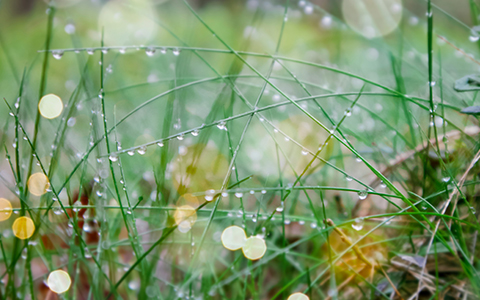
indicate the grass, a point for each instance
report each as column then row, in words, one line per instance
column 349, row 156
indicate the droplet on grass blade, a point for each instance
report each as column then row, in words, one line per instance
column 57, row 54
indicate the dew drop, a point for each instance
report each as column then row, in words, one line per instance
column 180, row 137
column 222, row 126
column 176, row 52
column 69, row 29
column 239, row 194
column 473, row 38
column 113, row 157
column 362, row 195
column 304, row 152
column 150, row 51
column 195, row 133
column 131, row 152
column 160, row 144
column 90, row 51
column 358, row 224
column 57, row 54
column 142, row 150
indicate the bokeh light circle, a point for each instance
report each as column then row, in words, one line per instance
column 372, row 18
column 127, row 22
column 298, row 296
column 38, row 184
column 59, row 281
column 5, row 209
column 233, row 238
column 185, row 216
column 23, row 228
column 50, row 106
column 254, row 248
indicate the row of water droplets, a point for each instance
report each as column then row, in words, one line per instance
column 150, row 51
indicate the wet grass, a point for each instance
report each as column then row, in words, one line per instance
column 348, row 155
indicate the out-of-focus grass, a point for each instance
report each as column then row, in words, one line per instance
column 274, row 116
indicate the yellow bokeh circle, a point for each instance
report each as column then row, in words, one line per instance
column 38, row 184
column 298, row 296
column 254, row 248
column 23, row 228
column 50, row 106
column 233, row 238
column 59, row 281
column 5, row 209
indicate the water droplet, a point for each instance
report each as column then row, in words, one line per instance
column 163, row 50
column 382, row 184
column 348, row 112
column 150, row 51
column 446, row 179
column 176, row 51
column 239, row 194
column 142, row 150
column 122, row 50
column 358, row 159
column 313, row 225
column 195, row 132
column 326, row 22
column 131, row 152
column 69, row 29
column 57, row 54
column 348, row 178
column 113, row 157
column 104, row 50
column 308, row 10
column 432, row 83
column 304, row 152
column 358, row 224
column 473, row 38
column 160, row 144
column 180, row 137
column 90, row 51
column 221, row 126
column 279, row 209
column 264, row 191
column 362, row 195
column 87, row 227
column 71, row 122
column 209, row 195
